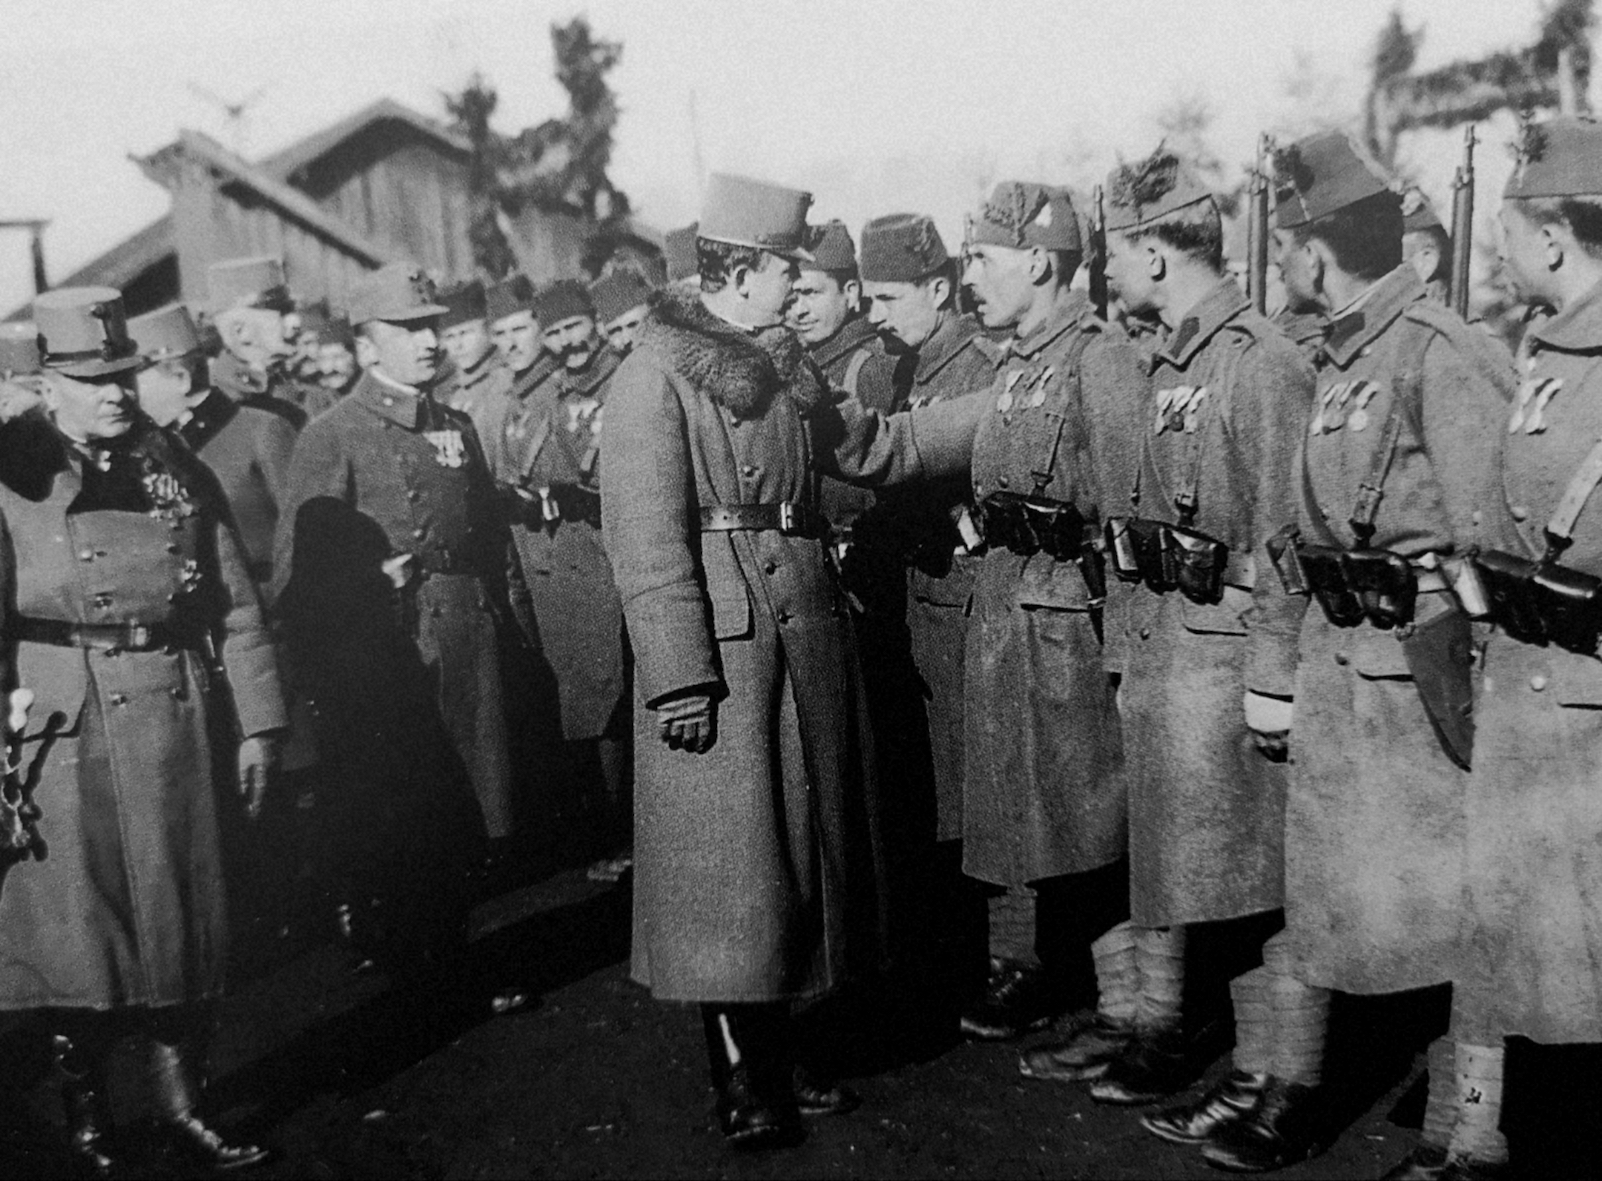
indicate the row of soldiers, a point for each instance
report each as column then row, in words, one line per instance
column 1026, row 595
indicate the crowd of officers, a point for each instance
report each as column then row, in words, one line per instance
column 898, row 585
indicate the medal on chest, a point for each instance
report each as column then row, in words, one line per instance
column 1530, row 413
column 1005, row 398
column 1344, row 404
column 1179, row 409
column 1037, row 394
column 448, row 448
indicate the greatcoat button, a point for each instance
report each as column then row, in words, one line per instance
column 1145, row 633
column 1002, row 480
column 118, row 699
column 1520, row 512
column 418, row 533
column 412, row 494
column 784, row 617
column 1538, row 682
column 1342, row 659
column 748, row 471
column 88, row 555
column 770, row 567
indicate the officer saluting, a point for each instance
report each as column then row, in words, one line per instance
column 127, row 583
column 391, row 573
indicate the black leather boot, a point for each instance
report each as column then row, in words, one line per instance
column 1155, row 1065
column 1284, row 1129
column 179, row 1132
column 83, row 1100
column 1018, row 999
column 1233, row 1098
column 752, row 1079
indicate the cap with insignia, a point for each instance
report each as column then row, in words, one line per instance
column 83, row 332
column 1417, row 212
column 19, row 349
column 830, row 248
column 165, row 333
column 754, row 213
column 901, row 248
column 511, row 295
column 1022, row 214
column 562, row 300
column 1321, row 175
column 1561, row 157
column 1143, row 192
column 464, row 303
column 618, row 293
column 398, row 292
column 249, row 283
column 678, row 251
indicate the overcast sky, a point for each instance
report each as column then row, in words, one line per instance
column 875, row 106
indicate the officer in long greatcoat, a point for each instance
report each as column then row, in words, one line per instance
column 392, row 577
column 1398, row 465
column 127, row 586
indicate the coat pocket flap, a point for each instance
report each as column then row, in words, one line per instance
column 1224, row 618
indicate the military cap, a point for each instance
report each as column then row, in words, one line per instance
column 901, row 248
column 831, row 247
column 1417, row 212
column 1140, row 193
column 165, row 333
column 1320, row 175
column 83, row 332
column 398, row 292
column 1022, row 214
column 249, row 283
column 562, row 299
column 324, row 325
column 19, row 349
column 511, row 295
column 621, row 291
column 464, row 302
column 746, row 212
column 678, row 251
column 1561, row 157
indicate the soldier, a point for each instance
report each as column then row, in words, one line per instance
column 550, row 448
column 1206, row 808
column 478, row 384
column 391, row 576
column 1426, row 246
column 509, row 310
column 1397, row 469
column 683, row 265
column 1043, row 793
column 331, row 349
column 251, row 309
column 619, row 299
column 126, row 584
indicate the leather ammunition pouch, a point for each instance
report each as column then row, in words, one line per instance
column 1168, row 557
column 1541, row 602
column 1029, row 525
column 1354, row 585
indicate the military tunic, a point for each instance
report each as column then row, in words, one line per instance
column 1043, row 783
column 549, row 444
column 482, row 391
column 248, row 450
column 1206, row 810
column 406, row 685
column 1374, row 843
column 1534, row 813
column 127, row 908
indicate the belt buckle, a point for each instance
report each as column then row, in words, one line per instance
column 787, row 516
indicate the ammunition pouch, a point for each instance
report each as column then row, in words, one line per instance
column 1541, row 602
column 1354, row 585
column 1029, row 525
column 1282, row 553
column 1168, row 557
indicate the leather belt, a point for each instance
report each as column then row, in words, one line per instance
column 108, row 637
column 786, row 517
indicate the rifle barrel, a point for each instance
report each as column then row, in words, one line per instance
column 1463, row 224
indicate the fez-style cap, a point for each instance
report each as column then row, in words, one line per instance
column 901, row 248
column 398, row 292
column 678, row 251
column 511, row 295
column 1140, row 193
column 1022, row 214
column 562, row 299
column 746, row 212
column 19, row 349
column 249, row 283
column 830, row 248
column 1561, row 157
column 83, row 332
column 324, row 326
column 165, row 333
column 464, row 303
column 618, row 293
column 1417, row 212
column 1320, row 175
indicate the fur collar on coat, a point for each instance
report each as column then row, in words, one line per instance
column 740, row 371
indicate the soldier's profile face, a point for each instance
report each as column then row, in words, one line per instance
column 1129, row 272
column 1524, row 251
column 404, row 352
column 819, row 305
column 163, row 391
column 766, row 289
column 90, row 408
column 573, row 340
column 905, row 315
column 998, row 279
column 517, row 339
column 1295, row 269
column 465, row 343
column 620, row 333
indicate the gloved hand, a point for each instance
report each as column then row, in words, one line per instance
column 1269, row 720
column 258, row 766
column 688, row 722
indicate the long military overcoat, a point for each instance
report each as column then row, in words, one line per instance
column 126, row 907
column 1206, row 810
column 1535, row 814
column 1375, row 838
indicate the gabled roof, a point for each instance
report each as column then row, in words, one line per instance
column 127, row 260
column 283, row 165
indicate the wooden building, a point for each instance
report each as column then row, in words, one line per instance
column 384, row 184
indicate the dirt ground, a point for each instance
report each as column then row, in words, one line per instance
column 345, row 1078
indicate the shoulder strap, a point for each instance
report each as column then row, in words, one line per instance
column 1407, row 398
column 1044, row 473
column 1560, row 528
column 1185, row 500
column 854, row 371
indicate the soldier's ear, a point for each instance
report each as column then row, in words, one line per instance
column 1039, row 265
column 1156, row 259
column 939, row 291
column 366, row 351
column 1552, row 244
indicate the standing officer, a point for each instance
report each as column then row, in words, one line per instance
column 619, row 298
column 127, row 584
column 1206, row 807
column 1398, row 469
column 391, row 572
column 478, row 383
column 550, row 459
column 256, row 321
